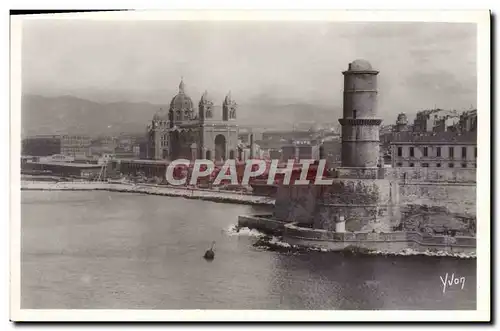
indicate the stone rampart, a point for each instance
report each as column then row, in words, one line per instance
column 431, row 175
column 390, row 241
column 457, row 198
column 262, row 223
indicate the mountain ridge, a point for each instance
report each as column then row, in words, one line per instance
column 42, row 114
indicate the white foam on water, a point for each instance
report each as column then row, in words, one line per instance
column 233, row 230
column 409, row 252
column 278, row 242
column 405, row 252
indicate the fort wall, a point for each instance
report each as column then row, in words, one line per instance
column 431, row 175
column 456, row 198
column 380, row 205
column 393, row 241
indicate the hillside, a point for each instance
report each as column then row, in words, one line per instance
column 63, row 114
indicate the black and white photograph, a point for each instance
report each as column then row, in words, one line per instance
column 253, row 166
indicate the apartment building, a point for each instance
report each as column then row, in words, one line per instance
column 438, row 149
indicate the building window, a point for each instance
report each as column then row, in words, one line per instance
column 464, row 165
column 412, row 152
column 451, row 165
column 438, row 165
column 412, row 165
column 399, row 164
column 475, row 165
column 400, row 151
column 354, row 113
column 438, row 151
column 475, row 152
column 425, row 165
column 451, row 152
column 464, row 152
column 426, row 151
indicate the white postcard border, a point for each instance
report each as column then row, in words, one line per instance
column 482, row 313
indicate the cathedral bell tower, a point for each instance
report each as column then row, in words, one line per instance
column 228, row 108
column 205, row 107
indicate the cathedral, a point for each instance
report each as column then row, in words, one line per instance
column 186, row 133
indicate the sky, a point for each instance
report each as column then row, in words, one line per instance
column 422, row 65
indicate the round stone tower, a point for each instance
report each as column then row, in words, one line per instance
column 359, row 198
column 360, row 125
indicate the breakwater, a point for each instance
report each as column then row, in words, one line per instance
column 393, row 242
column 389, row 242
column 270, row 241
column 188, row 193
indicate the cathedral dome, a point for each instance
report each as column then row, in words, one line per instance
column 181, row 100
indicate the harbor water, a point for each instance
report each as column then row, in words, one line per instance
column 109, row 250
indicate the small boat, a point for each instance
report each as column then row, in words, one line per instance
column 209, row 255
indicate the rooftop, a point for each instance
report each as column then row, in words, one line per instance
column 434, row 137
column 71, row 165
column 332, row 138
column 287, row 132
column 44, row 136
column 143, row 161
column 470, row 112
column 360, row 65
column 270, row 144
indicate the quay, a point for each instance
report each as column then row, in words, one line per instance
column 188, row 193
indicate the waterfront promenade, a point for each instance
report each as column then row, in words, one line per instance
column 184, row 192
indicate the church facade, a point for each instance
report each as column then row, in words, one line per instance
column 190, row 131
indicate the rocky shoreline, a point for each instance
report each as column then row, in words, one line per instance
column 277, row 243
column 379, row 243
column 187, row 193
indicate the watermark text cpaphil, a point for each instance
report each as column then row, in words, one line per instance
column 253, row 168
